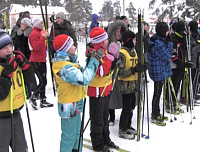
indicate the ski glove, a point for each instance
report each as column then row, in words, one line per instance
column 139, row 68
column 10, row 67
column 114, row 49
column 98, row 55
column 22, row 60
column 189, row 64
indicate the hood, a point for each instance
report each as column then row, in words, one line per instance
column 112, row 28
column 94, row 17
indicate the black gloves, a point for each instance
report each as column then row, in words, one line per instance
column 22, row 60
column 189, row 64
column 10, row 67
column 139, row 68
column 98, row 55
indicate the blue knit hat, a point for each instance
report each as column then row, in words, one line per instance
column 5, row 39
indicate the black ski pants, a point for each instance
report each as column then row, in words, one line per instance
column 156, row 98
column 41, row 70
column 99, row 129
column 129, row 103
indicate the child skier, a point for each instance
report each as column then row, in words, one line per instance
column 99, row 91
column 12, row 91
column 128, row 77
column 71, row 79
column 159, row 57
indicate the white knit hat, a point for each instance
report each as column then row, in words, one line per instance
column 26, row 21
column 36, row 22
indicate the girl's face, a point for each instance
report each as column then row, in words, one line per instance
column 118, row 34
column 6, row 50
column 72, row 50
column 105, row 43
column 23, row 27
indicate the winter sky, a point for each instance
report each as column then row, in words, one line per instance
column 142, row 4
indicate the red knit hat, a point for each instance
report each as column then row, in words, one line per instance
column 98, row 35
column 62, row 43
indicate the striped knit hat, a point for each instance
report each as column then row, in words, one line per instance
column 63, row 43
column 5, row 39
column 98, row 35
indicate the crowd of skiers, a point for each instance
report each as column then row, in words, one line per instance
column 109, row 78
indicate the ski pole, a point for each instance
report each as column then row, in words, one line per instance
column 49, row 53
column 27, row 112
column 12, row 117
column 173, row 91
column 147, row 99
column 82, row 122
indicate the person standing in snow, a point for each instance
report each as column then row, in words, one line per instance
column 61, row 26
column 37, row 41
column 11, row 84
column 159, row 59
column 71, row 79
column 128, row 77
column 99, row 91
column 115, row 31
column 95, row 23
column 21, row 44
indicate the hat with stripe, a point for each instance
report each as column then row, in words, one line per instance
column 5, row 39
column 62, row 43
column 98, row 35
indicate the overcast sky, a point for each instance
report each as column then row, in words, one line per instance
column 142, row 4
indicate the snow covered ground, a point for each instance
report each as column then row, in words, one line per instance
column 176, row 136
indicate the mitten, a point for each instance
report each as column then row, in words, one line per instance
column 114, row 49
column 10, row 67
column 189, row 64
column 139, row 68
column 22, row 60
column 99, row 54
column 110, row 57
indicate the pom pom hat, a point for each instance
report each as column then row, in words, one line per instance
column 5, row 39
column 98, row 35
column 63, row 43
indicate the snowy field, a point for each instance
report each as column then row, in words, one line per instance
column 176, row 136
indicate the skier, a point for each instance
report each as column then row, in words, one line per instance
column 95, row 23
column 11, row 90
column 159, row 57
column 71, row 79
column 115, row 31
column 99, row 90
column 61, row 26
column 37, row 40
column 177, row 64
column 128, row 69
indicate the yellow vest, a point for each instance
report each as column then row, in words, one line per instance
column 101, row 81
column 130, row 62
column 67, row 92
column 18, row 93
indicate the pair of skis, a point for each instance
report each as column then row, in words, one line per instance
column 142, row 90
column 49, row 52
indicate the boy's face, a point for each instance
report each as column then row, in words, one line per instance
column 59, row 20
column 72, row 50
column 6, row 50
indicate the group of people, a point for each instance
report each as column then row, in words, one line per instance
column 109, row 77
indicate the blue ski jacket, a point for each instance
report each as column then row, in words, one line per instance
column 159, row 58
